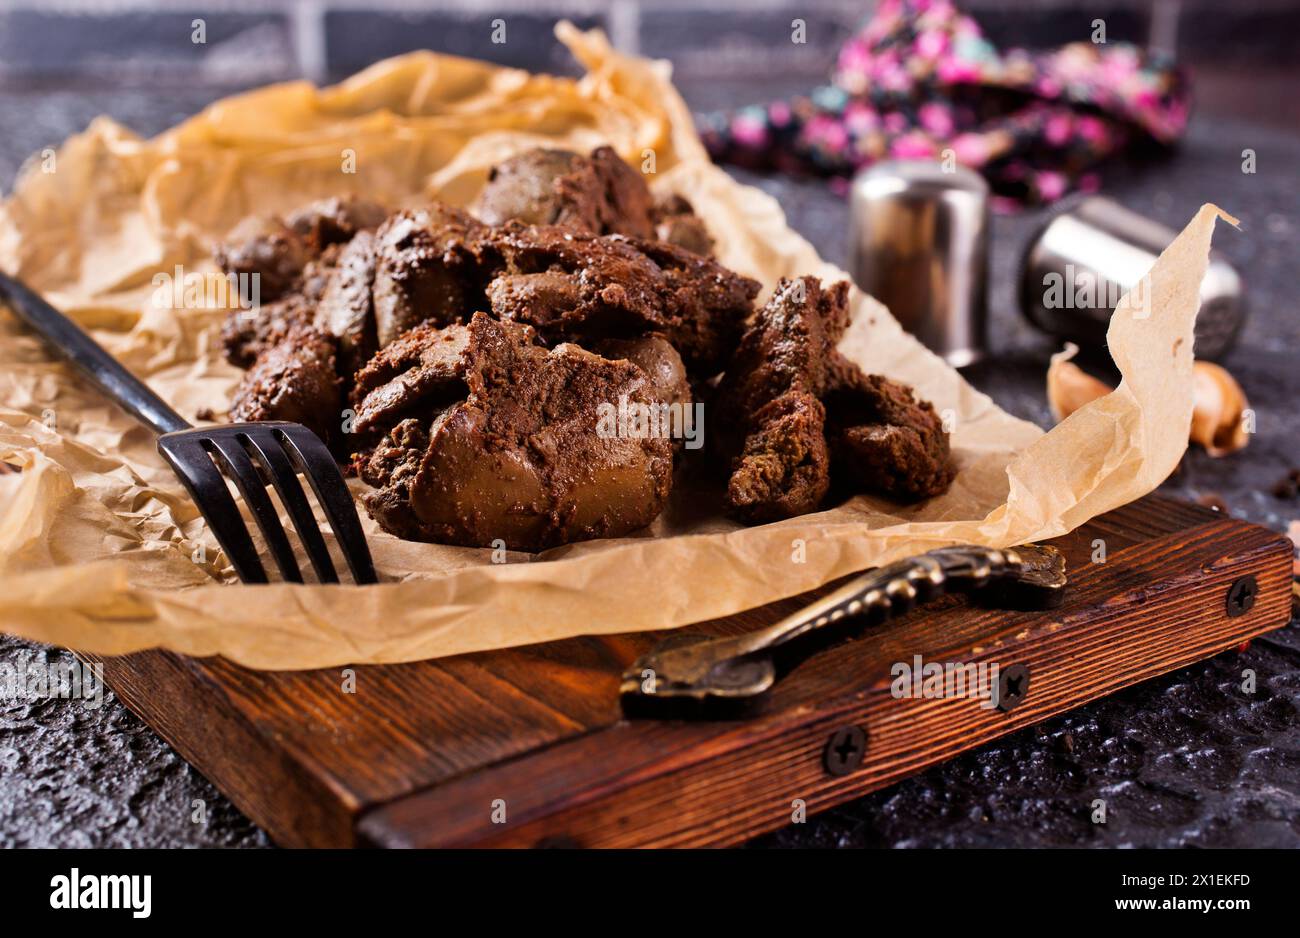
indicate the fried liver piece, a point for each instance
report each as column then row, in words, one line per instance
column 794, row 411
column 247, row 333
column 789, row 345
column 487, row 435
column 294, row 260
column 656, row 356
column 772, row 419
column 279, row 250
column 345, row 309
column 883, row 439
column 425, row 270
column 267, row 248
column 573, row 286
column 422, row 372
column 783, row 469
column 295, row 379
column 437, row 265
column 598, row 194
column 676, row 222
column 335, row 220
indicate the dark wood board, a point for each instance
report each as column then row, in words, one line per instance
column 420, row 753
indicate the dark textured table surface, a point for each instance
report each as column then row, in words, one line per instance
column 1184, row 760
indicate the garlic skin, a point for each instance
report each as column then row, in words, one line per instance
column 1219, row 409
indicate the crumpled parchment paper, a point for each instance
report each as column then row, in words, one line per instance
column 101, row 550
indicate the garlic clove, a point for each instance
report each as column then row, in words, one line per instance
column 1069, row 387
column 1219, row 416
column 1220, row 409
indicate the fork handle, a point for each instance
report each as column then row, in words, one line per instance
column 74, row 344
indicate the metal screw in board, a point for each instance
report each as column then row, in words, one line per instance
column 1241, row 595
column 1013, row 686
column 844, row 750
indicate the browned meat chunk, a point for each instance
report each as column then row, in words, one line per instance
column 794, row 411
column 344, row 309
column 489, row 437
column 773, row 422
column 336, row 220
column 294, row 261
column 267, row 249
column 574, row 286
column 884, row 439
column 423, row 371
column 677, row 223
column 788, row 346
column 425, row 270
column 439, row 265
column 278, row 251
column 247, row 333
column 598, row 194
column 669, row 385
column 784, row 468
column 658, row 359
column 295, row 380
column 317, row 272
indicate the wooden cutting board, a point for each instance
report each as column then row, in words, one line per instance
column 528, row 746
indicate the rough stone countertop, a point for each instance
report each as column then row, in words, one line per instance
column 1186, row 759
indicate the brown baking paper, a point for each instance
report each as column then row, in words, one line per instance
column 100, row 549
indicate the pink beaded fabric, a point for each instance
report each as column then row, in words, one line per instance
column 920, row 81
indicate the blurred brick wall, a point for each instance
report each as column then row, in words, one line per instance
column 1248, row 50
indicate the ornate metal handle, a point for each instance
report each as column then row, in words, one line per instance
column 703, row 675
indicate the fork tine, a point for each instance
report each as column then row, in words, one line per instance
column 207, row 487
column 285, row 479
column 317, row 464
column 252, row 486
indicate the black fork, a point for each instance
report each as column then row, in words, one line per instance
column 251, row 454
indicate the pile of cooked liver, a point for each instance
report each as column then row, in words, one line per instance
column 466, row 364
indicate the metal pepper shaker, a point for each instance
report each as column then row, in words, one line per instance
column 919, row 244
column 1091, row 252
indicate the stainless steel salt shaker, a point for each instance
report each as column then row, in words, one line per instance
column 1091, row 252
column 919, row 244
